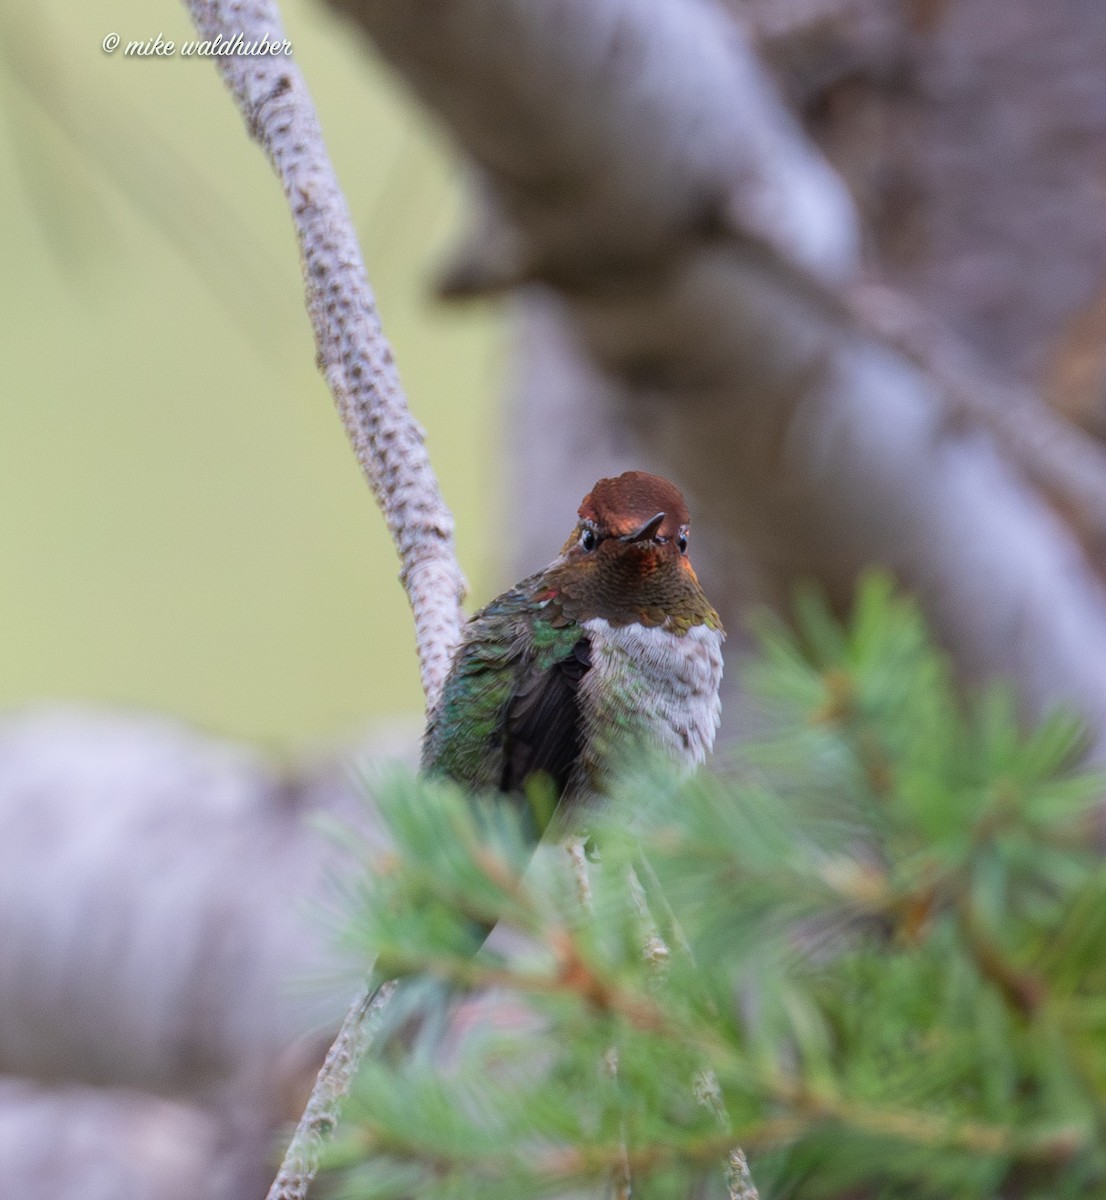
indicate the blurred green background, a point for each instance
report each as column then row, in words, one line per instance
column 182, row 525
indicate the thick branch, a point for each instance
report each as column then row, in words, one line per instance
column 701, row 250
column 1056, row 455
column 155, row 902
column 606, row 148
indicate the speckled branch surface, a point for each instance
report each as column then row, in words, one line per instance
column 389, row 444
column 353, row 352
column 358, row 1031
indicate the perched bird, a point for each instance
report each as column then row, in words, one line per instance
column 612, row 647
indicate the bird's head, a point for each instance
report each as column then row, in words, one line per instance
column 634, row 517
column 627, row 556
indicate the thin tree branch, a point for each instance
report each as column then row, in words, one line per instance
column 353, row 352
column 358, row 1031
column 360, row 371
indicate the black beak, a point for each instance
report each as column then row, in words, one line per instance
column 644, row 533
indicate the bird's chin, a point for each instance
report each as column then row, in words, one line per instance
column 657, row 552
column 648, row 559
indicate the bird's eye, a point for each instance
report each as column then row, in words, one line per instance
column 681, row 541
column 588, row 540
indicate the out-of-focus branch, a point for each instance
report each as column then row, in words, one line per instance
column 1061, row 459
column 153, row 903
column 603, row 151
column 645, row 171
column 353, row 352
column 86, row 1143
column 160, row 897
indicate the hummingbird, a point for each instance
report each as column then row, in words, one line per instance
column 612, row 649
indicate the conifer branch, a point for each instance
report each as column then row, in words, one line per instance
column 1022, row 990
column 865, row 1026
column 909, row 1126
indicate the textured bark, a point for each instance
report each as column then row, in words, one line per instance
column 361, row 374
column 353, row 353
column 321, row 1113
column 728, row 342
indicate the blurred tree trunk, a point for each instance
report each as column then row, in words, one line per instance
column 972, row 135
column 690, row 281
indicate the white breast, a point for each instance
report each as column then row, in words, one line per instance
column 652, row 684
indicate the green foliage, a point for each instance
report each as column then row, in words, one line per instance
column 871, row 954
